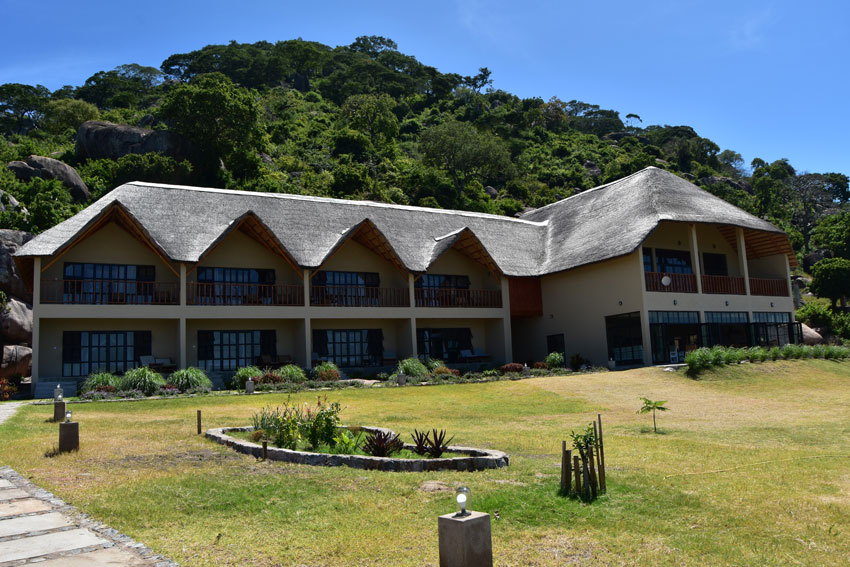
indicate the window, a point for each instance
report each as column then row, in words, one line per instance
column 235, row 286
column 673, row 261
column 439, row 290
column 555, row 343
column 727, row 317
column 674, row 317
column 98, row 284
column 428, row 281
column 364, row 279
column 84, row 352
column 625, row 342
column 346, row 289
column 672, row 334
column 714, row 264
column 771, row 317
column 349, row 347
column 229, row 350
column 647, row 259
column 444, row 344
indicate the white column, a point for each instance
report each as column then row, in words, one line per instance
column 742, row 258
column 695, row 257
column 647, row 338
column 414, row 351
column 308, row 343
column 182, row 334
column 307, row 291
column 36, row 307
column 506, row 320
column 411, row 286
column 788, row 278
column 182, row 284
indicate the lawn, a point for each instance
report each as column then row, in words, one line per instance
column 143, row 470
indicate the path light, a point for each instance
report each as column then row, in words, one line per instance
column 57, row 393
column 462, row 496
column 68, row 416
column 69, row 435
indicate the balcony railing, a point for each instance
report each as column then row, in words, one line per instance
column 454, row 297
column 729, row 285
column 359, row 296
column 772, row 287
column 682, row 283
column 109, row 292
column 204, row 293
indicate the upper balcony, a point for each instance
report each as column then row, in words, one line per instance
column 109, row 292
column 359, row 296
column 205, row 293
column 458, row 297
column 727, row 285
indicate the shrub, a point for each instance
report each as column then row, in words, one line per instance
column 698, row 360
column 815, row 314
column 717, row 354
column 98, row 379
column 577, row 361
column 442, row 370
column 421, row 440
column 555, row 360
column 345, row 443
column 774, row 353
column 7, row 389
column 142, row 379
column 167, row 390
column 382, row 444
column 433, row 363
column 412, row 367
column 539, row 372
column 511, row 367
column 326, row 372
column 269, row 376
column 318, row 425
column 437, row 443
column 292, row 373
column 190, row 378
column 237, row 382
column 540, row 365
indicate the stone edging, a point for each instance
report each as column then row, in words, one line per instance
column 478, row 459
column 81, row 520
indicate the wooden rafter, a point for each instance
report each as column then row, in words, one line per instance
column 120, row 216
column 760, row 243
column 250, row 225
column 368, row 235
column 470, row 246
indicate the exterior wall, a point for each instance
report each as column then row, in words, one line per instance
column 354, row 257
column 163, row 333
column 576, row 303
column 711, row 241
column 670, row 236
column 287, row 334
column 769, row 267
column 111, row 245
column 456, row 264
column 239, row 250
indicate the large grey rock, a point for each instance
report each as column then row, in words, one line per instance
column 16, row 323
column 592, row 169
column 7, row 202
column 812, row 258
column 810, row 336
column 10, row 279
column 15, row 361
column 717, row 179
column 97, row 139
column 49, row 168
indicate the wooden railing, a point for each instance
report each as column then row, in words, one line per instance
column 109, row 292
column 730, row 285
column 772, row 287
column 359, row 296
column 682, row 283
column 204, row 293
column 454, row 297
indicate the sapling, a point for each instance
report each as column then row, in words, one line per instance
column 652, row 406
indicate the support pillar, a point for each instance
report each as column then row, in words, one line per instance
column 414, row 348
column 182, row 284
column 181, row 331
column 306, row 288
column 506, row 320
column 695, row 257
column 36, row 309
column 465, row 542
column 411, row 287
column 308, row 343
column 742, row 258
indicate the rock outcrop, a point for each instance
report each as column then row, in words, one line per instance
column 49, row 168
column 813, row 258
column 717, row 179
column 15, row 361
column 10, row 279
column 810, row 336
column 16, row 323
column 97, row 139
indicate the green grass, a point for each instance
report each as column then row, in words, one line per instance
column 143, row 470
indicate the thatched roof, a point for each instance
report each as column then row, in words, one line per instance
column 182, row 223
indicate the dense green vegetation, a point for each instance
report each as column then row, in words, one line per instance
column 366, row 121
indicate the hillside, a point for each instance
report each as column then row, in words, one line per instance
column 363, row 121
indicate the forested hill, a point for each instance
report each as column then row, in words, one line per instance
column 363, row 121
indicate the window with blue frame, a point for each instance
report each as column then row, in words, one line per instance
column 235, row 286
column 673, row 261
column 100, row 284
column 229, row 350
column 439, row 289
column 346, row 289
column 85, row 352
column 349, row 347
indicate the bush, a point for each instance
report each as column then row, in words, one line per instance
column 98, row 380
column 555, row 359
column 815, row 314
column 143, row 379
column 412, row 367
column 190, row 378
column 442, row 370
column 7, row 389
column 241, row 376
column 433, row 363
column 511, row 367
column 382, row 444
column 540, row 365
column 318, row 425
column 293, row 374
column 577, row 361
column 167, row 390
column 326, row 372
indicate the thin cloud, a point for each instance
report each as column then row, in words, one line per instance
column 752, row 31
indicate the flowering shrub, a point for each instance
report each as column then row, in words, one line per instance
column 326, row 372
column 7, row 389
column 511, row 367
column 540, row 365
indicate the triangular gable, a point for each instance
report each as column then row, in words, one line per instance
column 251, row 225
column 367, row 234
column 117, row 213
column 467, row 243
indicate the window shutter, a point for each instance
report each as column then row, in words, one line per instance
column 145, row 273
column 266, row 276
column 372, row 279
column 142, row 341
column 71, row 346
column 205, row 345
column 375, row 342
column 320, row 342
column 268, row 343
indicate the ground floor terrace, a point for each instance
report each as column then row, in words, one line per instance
column 70, row 349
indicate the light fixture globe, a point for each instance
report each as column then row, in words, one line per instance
column 666, row 281
column 462, row 498
column 67, row 417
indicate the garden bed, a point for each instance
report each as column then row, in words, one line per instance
column 473, row 459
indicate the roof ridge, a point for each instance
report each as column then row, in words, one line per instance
column 313, row 198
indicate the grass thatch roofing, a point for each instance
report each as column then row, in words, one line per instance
column 602, row 223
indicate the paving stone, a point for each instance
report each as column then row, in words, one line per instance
column 27, row 524
column 6, row 484
column 99, row 558
column 36, row 546
column 12, row 494
column 19, row 507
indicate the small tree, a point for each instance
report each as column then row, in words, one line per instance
column 652, row 406
column 831, row 278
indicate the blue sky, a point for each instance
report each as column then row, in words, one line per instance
column 768, row 79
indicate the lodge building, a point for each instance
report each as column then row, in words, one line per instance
column 638, row 271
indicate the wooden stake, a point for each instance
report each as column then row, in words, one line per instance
column 265, row 449
column 602, row 486
column 594, row 491
column 585, row 482
column 569, row 476
column 563, row 467
column 577, row 470
column 199, row 422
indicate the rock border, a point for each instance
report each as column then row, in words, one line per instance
column 478, row 459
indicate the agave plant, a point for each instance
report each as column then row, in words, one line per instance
column 437, row 444
column 421, row 441
column 382, row 444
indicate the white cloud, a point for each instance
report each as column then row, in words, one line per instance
column 750, row 32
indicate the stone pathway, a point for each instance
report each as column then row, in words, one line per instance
column 38, row 528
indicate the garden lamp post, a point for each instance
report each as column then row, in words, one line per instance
column 69, row 435
column 465, row 539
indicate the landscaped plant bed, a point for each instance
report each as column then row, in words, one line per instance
column 473, row 459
